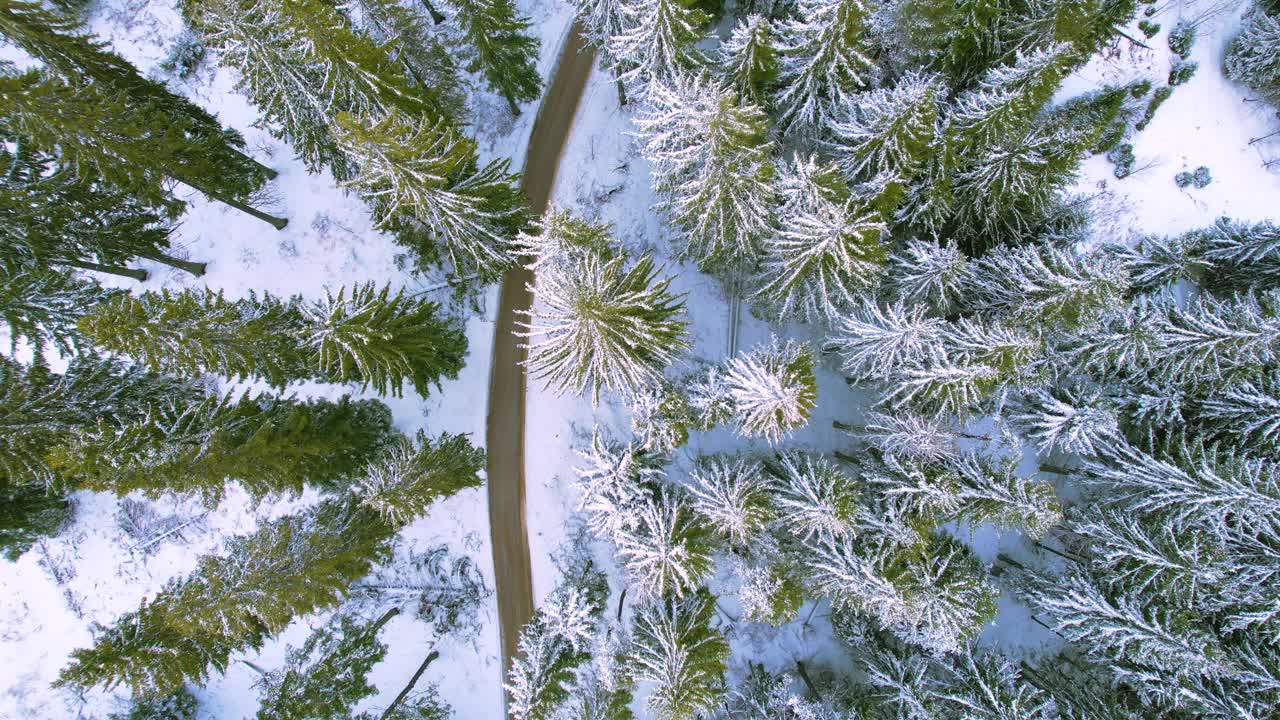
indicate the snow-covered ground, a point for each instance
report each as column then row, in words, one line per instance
column 51, row 597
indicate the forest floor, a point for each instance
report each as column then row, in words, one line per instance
column 512, row 572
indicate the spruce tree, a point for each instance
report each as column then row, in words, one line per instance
column 959, row 38
column 601, row 326
column 824, row 59
column 552, row 645
column 749, row 59
column 676, row 649
column 413, row 474
column 421, row 177
column 772, row 389
column 930, row 274
column 29, row 512
column 890, row 131
column 417, row 47
column 1046, row 286
column 669, row 550
column 711, row 158
column 327, row 675
column 496, row 45
column 731, row 495
column 269, row 444
column 657, row 43
column 233, row 602
column 829, row 250
column 361, row 334
column 1252, row 57
column 41, row 307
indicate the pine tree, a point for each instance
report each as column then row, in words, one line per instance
column 988, row 685
column 957, row 37
column 661, row 417
column 994, row 493
column 615, row 482
column 669, row 550
column 1247, row 413
column 41, row 307
column 213, row 152
column 562, row 238
column 602, row 327
column 1212, row 341
column 1047, row 286
column 731, row 494
column 270, row 444
column 929, row 273
column 823, row 58
column 772, row 389
column 52, row 217
column 411, row 40
column 363, row 335
column 327, row 675
column 876, row 341
column 676, row 649
column 552, row 644
column 1141, row 555
column 813, row 497
column 1251, row 56
column 657, row 42
column 1067, row 421
column 413, row 474
column 1005, row 103
column 829, row 250
column 711, row 158
column 497, row 46
column 907, row 436
column 27, row 513
column 1244, row 256
column 749, row 59
column 421, row 177
column 292, row 566
column 890, row 131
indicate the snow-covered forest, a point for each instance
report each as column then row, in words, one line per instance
column 886, row 359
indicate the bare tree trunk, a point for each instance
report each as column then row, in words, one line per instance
column 435, row 14
column 511, row 102
column 808, row 682
column 194, row 268
column 621, row 599
column 139, row 275
column 277, row 223
column 409, row 688
column 254, row 668
column 622, row 91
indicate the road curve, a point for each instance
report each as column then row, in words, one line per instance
column 505, row 426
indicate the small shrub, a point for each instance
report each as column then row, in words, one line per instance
column 1202, row 177
column 1140, row 88
column 1149, row 28
column 185, row 56
column 1184, row 179
column 1123, row 158
column 1157, row 99
column 1182, row 71
column 1182, row 38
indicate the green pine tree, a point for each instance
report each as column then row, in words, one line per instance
column 496, row 45
column 28, row 513
column 41, row 307
column 362, row 335
column 676, row 649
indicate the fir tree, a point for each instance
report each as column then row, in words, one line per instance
column 677, row 650
column 411, row 475
column 875, row 341
column 421, row 177
column 711, row 158
column 994, row 493
column 603, row 327
column 929, row 273
column 497, row 47
column 907, row 436
column 1067, row 421
column 813, row 497
column 1211, row 341
column 270, row 444
column 615, row 481
column 772, row 389
column 669, row 550
column 1047, row 286
column 661, row 417
column 823, row 58
column 1251, row 56
column 419, row 50
column 327, row 675
column 552, row 644
column 28, row 513
column 829, row 250
column 890, row 131
column 731, row 494
column 41, row 307
column 1247, row 413
column 988, row 685
column 957, row 37
column 749, row 58
column 363, row 335
column 1243, row 256
column 657, row 42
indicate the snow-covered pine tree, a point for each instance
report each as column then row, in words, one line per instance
column 1143, row 555
column 1244, row 256
column 552, row 645
column 749, row 58
column 710, row 156
column 410, row 475
column 603, row 327
column 270, row 444
column 615, row 481
column 988, row 685
column 327, row 675
column 1047, row 286
column 1006, row 102
column 676, row 649
column 1156, row 263
column 296, row 565
column 669, row 550
column 602, row 20
column 1245, row 413
column 812, row 497
column 1067, row 420
column 562, row 238
column 40, row 307
column 657, row 43
column 661, row 417
column 824, row 59
column 42, row 411
column 876, row 341
column 830, row 248
column 177, row 705
column 495, row 44
column 213, row 154
column 957, row 37
column 421, row 177
column 990, row 491
column 908, row 436
column 29, row 512
column 361, row 334
column 732, row 495
column 890, row 131
column 1252, row 58
column 53, row 217
column 929, row 273
column 772, row 388
column 1213, row 341
column 604, row 687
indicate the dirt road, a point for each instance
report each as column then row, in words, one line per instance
column 505, row 431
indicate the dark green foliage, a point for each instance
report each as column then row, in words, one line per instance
column 1182, row 38
column 1253, row 56
column 1200, row 178
column 296, row 565
column 414, row 474
column 327, row 676
column 28, row 513
column 1124, row 160
column 185, row 57
column 41, row 306
column 1182, row 71
column 1149, row 28
column 1161, row 94
column 362, row 335
column 269, row 444
column 496, row 45
column 178, row 705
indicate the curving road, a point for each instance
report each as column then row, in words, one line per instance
column 505, row 427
